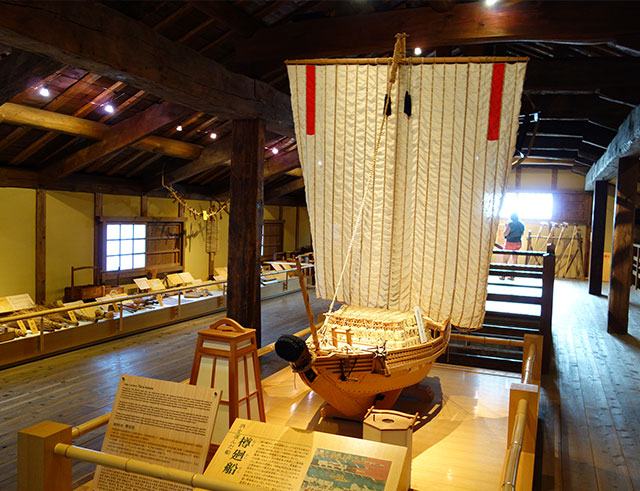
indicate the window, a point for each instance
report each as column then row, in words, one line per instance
column 532, row 206
column 126, row 246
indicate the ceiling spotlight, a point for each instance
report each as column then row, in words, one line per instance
column 417, row 51
column 179, row 127
column 213, row 135
column 274, row 151
column 490, row 3
column 109, row 109
column 44, row 92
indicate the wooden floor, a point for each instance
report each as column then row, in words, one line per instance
column 591, row 399
column 590, row 403
column 77, row 386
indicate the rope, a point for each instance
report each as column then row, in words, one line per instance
column 398, row 55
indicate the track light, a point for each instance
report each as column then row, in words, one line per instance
column 274, row 151
column 213, row 135
column 44, row 92
column 109, row 109
column 179, row 127
column 417, row 51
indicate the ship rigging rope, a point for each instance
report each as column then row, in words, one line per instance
column 399, row 52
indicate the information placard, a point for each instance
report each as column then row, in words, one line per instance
column 156, row 284
column 16, row 302
column 274, row 457
column 142, row 283
column 159, row 422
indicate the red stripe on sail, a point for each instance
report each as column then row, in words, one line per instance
column 311, row 99
column 495, row 102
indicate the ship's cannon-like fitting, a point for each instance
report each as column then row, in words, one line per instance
column 296, row 352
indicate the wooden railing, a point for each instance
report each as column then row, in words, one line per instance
column 523, row 419
column 515, row 317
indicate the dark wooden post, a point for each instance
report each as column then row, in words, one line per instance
column 598, row 221
column 546, row 308
column 98, row 237
column 41, row 246
column 245, row 223
column 622, row 256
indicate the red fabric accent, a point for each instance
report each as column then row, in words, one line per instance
column 512, row 246
column 495, row 102
column 311, row 99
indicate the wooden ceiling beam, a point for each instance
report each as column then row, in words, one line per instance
column 283, row 190
column 577, row 107
column 101, row 40
column 465, row 23
column 626, row 143
column 119, row 136
column 16, row 114
column 23, row 178
column 226, row 13
column 20, row 70
column 582, row 74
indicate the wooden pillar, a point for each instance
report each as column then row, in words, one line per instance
column 622, row 256
column 98, row 238
column 598, row 221
column 245, row 223
column 144, row 206
column 41, row 246
column 39, row 469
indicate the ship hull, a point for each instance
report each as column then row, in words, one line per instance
column 352, row 384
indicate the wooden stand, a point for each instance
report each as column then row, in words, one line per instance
column 226, row 358
column 392, row 427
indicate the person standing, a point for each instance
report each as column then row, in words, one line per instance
column 513, row 239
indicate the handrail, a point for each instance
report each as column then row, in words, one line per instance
column 126, row 298
column 515, row 448
column 528, row 367
column 192, row 479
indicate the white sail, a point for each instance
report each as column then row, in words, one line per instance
column 430, row 213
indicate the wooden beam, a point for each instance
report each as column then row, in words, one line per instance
column 118, row 137
column 98, row 243
column 622, row 254
column 18, row 115
column 41, row 246
column 219, row 154
column 625, row 143
column 228, row 14
column 281, row 164
column 17, row 177
column 285, row 189
column 579, row 107
column 100, row 39
column 598, row 225
column 467, row 23
column 211, row 157
column 586, row 74
column 20, row 71
column 245, row 223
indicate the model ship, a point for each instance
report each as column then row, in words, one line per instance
column 404, row 162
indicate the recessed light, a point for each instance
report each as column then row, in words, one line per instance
column 109, row 109
column 179, row 127
column 490, row 3
column 213, row 136
column 274, row 151
column 417, row 51
column 44, row 92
